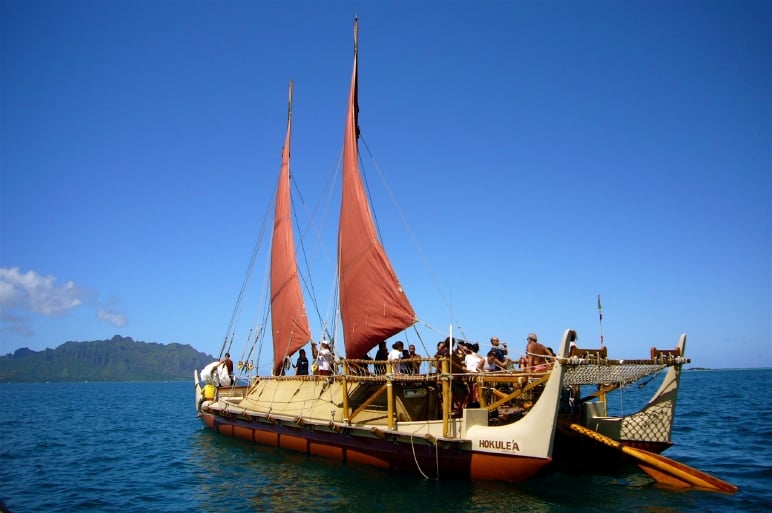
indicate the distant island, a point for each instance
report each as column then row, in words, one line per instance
column 117, row 359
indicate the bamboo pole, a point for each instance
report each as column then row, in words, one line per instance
column 344, row 390
column 390, row 394
column 446, row 402
column 368, row 402
column 662, row 469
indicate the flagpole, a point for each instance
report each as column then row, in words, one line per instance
column 600, row 320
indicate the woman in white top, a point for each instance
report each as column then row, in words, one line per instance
column 473, row 362
column 324, row 358
column 395, row 355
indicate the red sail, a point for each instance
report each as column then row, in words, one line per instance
column 373, row 305
column 289, row 322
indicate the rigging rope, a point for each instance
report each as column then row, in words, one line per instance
column 416, row 245
column 418, row 465
column 245, row 284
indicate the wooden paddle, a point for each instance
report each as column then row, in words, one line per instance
column 662, row 469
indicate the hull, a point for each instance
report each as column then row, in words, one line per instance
column 649, row 429
column 401, row 423
column 393, row 452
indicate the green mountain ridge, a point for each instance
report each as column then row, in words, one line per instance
column 117, row 359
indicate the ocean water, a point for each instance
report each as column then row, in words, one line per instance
column 139, row 447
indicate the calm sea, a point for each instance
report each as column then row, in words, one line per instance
column 126, row 447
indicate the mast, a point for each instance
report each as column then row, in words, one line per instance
column 289, row 322
column 373, row 305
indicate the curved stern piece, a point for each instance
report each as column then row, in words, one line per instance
column 530, row 438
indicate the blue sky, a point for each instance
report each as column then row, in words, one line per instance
column 535, row 155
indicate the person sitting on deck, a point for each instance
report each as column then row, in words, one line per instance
column 492, row 363
column 501, row 350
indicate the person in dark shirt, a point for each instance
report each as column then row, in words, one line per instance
column 381, row 355
column 302, row 364
column 501, row 354
column 442, row 352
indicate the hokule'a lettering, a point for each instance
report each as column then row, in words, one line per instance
column 501, row 445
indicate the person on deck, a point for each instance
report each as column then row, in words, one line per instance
column 302, row 364
column 473, row 362
column 492, row 363
column 414, row 366
column 381, row 355
column 395, row 356
column 323, row 357
column 501, row 352
column 442, row 352
column 573, row 348
column 538, row 354
column 229, row 365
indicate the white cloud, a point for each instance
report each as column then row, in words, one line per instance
column 24, row 294
column 115, row 318
column 35, row 293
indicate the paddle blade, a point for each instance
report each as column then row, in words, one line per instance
column 675, row 474
column 662, row 469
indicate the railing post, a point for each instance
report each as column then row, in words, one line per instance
column 345, row 393
column 390, row 393
column 481, row 391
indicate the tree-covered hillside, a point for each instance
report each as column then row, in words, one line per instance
column 117, row 359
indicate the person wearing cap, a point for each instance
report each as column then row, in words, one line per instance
column 537, row 354
column 323, row 357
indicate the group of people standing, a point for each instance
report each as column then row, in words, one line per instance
column 537, row 357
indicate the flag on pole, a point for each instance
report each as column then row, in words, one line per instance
column 600, row 320
column 600, row 309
